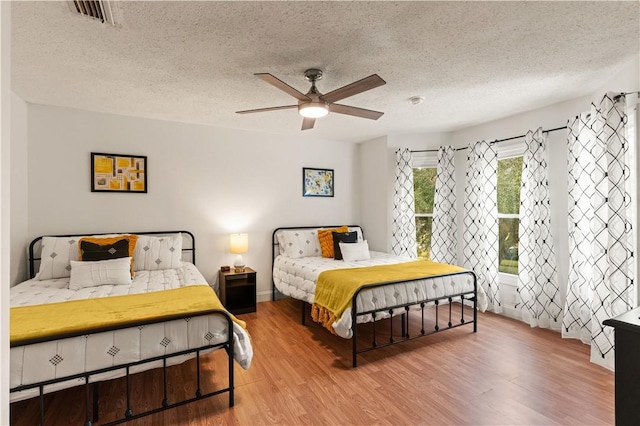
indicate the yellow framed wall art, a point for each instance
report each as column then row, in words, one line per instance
column 118, row 173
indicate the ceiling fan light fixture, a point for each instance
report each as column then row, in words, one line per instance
column 314, row 104
column 313, row 109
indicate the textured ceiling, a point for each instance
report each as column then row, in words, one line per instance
column 194, row 61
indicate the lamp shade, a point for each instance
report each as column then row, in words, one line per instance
column 239, row 243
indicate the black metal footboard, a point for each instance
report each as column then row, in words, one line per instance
column 91, row 407
column 470, row 296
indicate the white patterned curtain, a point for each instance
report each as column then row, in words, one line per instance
column 403, row 239
column 480, row 236
column 601, row 283
column 537, row 274
column 444, row 229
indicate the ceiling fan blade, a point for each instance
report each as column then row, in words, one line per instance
column 307, row 123
column 357, row 112
column 249, row 111
column 274, row 81
column 359, row 86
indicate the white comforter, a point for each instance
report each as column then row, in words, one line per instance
column 60, row 358
column 297, row 278
column 35, row 292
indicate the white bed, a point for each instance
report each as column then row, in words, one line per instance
column 297, row 278
column 298, row 262
column 82, row 357
column 60, row 358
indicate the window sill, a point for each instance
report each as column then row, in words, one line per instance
column 508, row 279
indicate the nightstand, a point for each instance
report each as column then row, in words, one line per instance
column 238, row 291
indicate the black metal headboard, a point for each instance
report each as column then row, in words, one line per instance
column 275, row 246
column 35, row 246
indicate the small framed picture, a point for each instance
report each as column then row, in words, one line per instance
column 118, row 173
column 317, row 182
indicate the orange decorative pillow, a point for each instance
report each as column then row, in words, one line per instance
column 326, row 240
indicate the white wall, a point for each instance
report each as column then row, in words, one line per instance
column 374, row 203
column 211, row 181
column 5, row 203
column 19, row 190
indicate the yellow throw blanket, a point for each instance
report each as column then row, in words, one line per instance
column 335, row 288
column 38, row 321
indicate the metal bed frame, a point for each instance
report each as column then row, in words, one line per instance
column 91, row 406
column 469, row 296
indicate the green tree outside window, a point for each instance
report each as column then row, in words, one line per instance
column 509, row 180
column 424, row 187
column 508, row 193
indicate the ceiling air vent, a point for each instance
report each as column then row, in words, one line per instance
column 100, row 9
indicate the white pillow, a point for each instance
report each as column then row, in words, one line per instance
column 57, row 252
column 102, row 272
column 301, row 243
column 154, row 253
column 355, row 251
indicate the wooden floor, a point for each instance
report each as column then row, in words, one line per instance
column 506, row 373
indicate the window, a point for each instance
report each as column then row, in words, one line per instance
column 424, row 187
column 509, row 178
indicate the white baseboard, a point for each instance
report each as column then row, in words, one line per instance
column 511, row 312
column 263, row 296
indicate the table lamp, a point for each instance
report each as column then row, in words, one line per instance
column 239, row 244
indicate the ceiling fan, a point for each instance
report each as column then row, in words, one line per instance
column 314, row 104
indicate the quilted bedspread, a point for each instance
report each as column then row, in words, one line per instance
column 335, row 289
column 297, row 278
column 35, row 292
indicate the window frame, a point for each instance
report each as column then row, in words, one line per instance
column 424, row 215
column 424, row 160
column 505, row 151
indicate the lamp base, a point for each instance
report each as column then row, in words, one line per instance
column 238, row 265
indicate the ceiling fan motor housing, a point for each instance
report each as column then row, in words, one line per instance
column 315, row 108
column 313, row 75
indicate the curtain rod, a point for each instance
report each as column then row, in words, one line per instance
column 495, row 141
column 627, row 93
